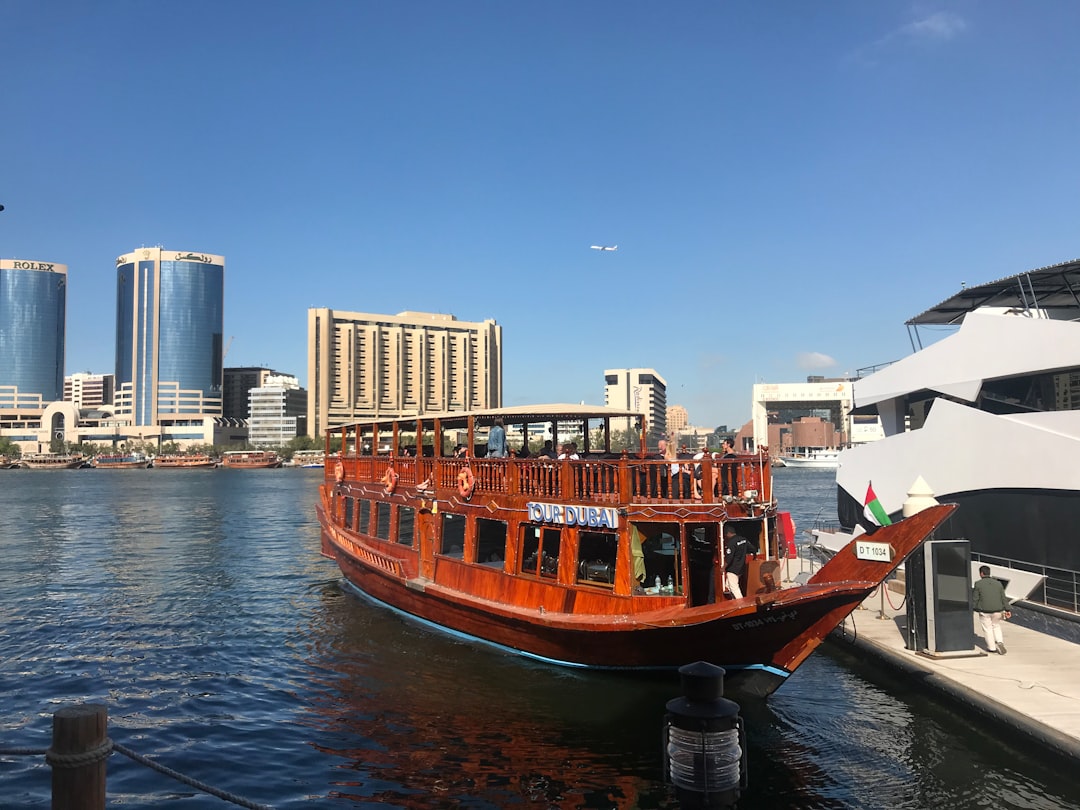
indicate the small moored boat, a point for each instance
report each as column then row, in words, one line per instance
column 250, row 460
column 604, row 558
column 126, row 461
column 193, row 461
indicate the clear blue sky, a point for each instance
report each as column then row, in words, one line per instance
column 787, row 182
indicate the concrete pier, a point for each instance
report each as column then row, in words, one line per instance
column 1034, row 689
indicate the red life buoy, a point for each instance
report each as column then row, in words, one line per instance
column 466, row 483
column 389, row 480
column 339, row 472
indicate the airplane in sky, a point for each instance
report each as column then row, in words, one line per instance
column 604, row 247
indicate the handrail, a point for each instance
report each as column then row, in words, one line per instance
column 600, row 479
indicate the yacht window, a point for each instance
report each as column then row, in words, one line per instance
column 382, row 520
column 349, row 512
column 540, row 551
column 490, row 541
column 452, row 543
column 406, row 525
column 596, row 557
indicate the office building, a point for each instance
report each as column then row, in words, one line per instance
column 362, row 365
column 237, row 386
column 277, row 412
column 169, row 325
column 86, row 390
column 642, row 390
column 33, row 302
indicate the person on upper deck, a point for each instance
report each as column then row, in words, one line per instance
column 496, row 443
column 726, row 472
column 548, row 450
column 569, row 450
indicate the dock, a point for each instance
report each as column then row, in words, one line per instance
column 1033, row 689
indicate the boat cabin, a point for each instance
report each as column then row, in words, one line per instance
column 598, row 513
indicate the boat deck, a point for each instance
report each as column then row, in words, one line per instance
column 1032, row 690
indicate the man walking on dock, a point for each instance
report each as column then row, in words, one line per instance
column 990, row 602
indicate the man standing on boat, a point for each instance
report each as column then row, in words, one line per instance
column 496, row 445
column 736, row 547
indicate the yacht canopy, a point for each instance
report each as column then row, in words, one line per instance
column 988, row 346
column 1054, row 289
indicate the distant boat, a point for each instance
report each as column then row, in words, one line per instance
column 195, row 461
column 51, row 461
column 250, row 460
column 309, row 458
column 814, row 459
column 126, row 461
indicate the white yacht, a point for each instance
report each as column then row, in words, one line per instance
column 989, row 417
column 812, row 458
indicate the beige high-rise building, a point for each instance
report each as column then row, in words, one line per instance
column 677, row 418
column 641, row 390
column 363, row 365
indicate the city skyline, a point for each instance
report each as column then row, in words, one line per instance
column 786, row 184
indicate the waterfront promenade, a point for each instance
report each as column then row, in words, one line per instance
column 1033, row 690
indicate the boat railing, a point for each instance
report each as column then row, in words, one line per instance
column 599, row 479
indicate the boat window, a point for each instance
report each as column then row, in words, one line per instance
column 490, row 541
column 596, row 557
column 382, row 520
column 349, row 502
column 540, row 551
column 364, row 517
column 453, row 535
column 406, row 517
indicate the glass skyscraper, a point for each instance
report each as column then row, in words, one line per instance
column 33, row 306
column 169, row 323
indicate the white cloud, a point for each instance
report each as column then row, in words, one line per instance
column 941, row 26
column 811, row 360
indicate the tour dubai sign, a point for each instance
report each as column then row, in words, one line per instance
column 593, row 517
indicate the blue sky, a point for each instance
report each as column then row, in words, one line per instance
column 787, row 182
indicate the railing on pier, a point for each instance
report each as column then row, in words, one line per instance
column 600, row 479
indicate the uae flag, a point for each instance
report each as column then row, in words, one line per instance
column 874, row 514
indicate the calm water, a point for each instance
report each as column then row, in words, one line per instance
column 195, row 605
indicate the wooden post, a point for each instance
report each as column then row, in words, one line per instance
column 78, row 756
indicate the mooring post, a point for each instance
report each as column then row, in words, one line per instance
column 78, row 756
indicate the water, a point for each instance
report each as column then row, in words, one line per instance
column 195, row 605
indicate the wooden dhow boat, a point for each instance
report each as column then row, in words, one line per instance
column 194, row 461
column 250, row 460
column 51, row 461
column 602, row 558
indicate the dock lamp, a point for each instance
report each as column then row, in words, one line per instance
column 704, row 741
